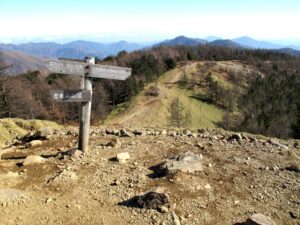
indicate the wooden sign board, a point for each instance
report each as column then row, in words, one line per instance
column 71, row 95
column 109, row 72
column 89, row 70
column 67, row 67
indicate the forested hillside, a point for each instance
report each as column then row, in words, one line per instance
column 267, row 103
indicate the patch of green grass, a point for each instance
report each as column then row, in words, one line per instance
column 201, row 114
column 118, row 110
column 15, row 127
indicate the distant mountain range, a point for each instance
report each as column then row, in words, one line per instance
column 30, row 56
column 242, row 42
column 80, row 49
column 74, row 50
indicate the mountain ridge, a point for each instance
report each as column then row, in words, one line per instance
column 81, row 48
column 74, row 50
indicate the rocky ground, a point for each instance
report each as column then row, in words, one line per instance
column 239, row 175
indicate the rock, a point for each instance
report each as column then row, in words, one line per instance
column 163, row 132
column 259, row 219
column 277, row 144
column 65, row 176
column 164, row 209
column 125, row 133
column 123, row 157
column 48, row 200
column 109, row 132
column 138, row 132
column 113, row 143
column 45, row 132
column 188, row 162
column 207, row 186
column 77, row 153
column 172, row 134
column 34, row 143
column 175, row 219
column 194, row 135
column 294, row 215
column 33, row 159
column 150, row 200
column 293, row 168
column 235, row 137
column 188, row 133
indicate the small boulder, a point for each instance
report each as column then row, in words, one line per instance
column 138, row 132
column 163, row 133
column 235, row 137
column 45, row 132
column 34, row 143
column 149, row 200
column 188, row 162
column 113, row 143
column 259, row 219
column 33, row 159
column 123, row 157
column 64, row 176
column 125, row 133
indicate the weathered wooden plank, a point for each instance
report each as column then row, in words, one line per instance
column 89, row 70
column 67, row 67
column 109, row 72
column 71, row 95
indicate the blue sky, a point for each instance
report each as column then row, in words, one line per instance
column 148, row 20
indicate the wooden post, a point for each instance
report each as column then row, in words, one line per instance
column 87, row 71
column 85, row 116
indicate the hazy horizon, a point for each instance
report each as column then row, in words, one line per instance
column 142, row 22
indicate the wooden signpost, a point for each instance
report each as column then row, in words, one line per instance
column 87, row 71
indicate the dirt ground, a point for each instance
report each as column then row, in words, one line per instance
column 240, row 177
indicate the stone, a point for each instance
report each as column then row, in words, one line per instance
column 48, row 200
column 293, row 167
column 236, row 137
column 77, row 153
column 150, row 200
column 138, row 132
column 172, row 134
column 175, row 219
column 194, row 135
column 45, row 132
column 65, row 176
column 188, row 162
column 125, row 133
column 164, row 209
column 123, row 157
column 277, row 144
column 188, row 133
column 33, row 159
column 163, row 132
column 113, row 143
column 34, row 143
column 259, row 219
column 207, row 186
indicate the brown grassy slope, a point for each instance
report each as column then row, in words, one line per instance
column 150, row 111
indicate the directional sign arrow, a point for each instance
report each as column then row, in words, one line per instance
column 89, row 70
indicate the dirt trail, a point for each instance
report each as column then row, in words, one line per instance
column 148, row 109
